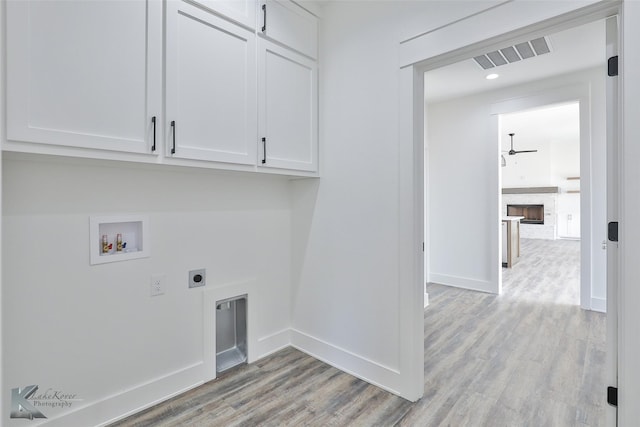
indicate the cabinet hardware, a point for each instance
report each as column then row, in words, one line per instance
column 173, row 127
column 264, row 150
column 153, row 147
column 264, row 15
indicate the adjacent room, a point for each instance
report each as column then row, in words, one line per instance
column 551, row 99
column 512, row 244
column 541, row 193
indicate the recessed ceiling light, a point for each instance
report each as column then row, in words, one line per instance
column 492, row 76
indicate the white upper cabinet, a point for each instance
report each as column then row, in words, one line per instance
column 84, row 73
column 289, row 24
column 288, row 109
column 211, row 95
column 195, row 82
column 241, row 11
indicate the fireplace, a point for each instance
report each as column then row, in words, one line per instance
column 533, row 214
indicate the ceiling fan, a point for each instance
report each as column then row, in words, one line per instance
column 513, row 152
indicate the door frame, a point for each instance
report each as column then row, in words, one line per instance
column 613, row 168
column 413, row 63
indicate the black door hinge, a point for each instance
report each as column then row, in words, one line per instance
column 612, row 396
column 612, row 231
column 422, row 246
column 612, row 66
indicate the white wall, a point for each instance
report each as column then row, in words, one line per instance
column 463, row 193
column 529, row 170
column 555, row 132
column 346, row 295
column 463, row 167
column 94, row 330
column 565, row 162
column 346, row 299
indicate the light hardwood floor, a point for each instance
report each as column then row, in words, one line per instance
column 530, row 357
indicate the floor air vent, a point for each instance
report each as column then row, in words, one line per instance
column 507, row 55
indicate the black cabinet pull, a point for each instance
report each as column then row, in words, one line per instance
column 173, row 127
column 264, row 15
column 264, row 150
column 153, row 120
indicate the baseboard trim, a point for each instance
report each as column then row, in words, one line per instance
column 386, row 378
column 146, row 395
column 462, row 282
column 599, row 304
column 128, row 402
column 426, row 300
column 121, row 405
column 273, row 343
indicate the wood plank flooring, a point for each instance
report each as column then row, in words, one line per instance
column 530, row 357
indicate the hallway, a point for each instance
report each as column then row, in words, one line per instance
column 528, row 357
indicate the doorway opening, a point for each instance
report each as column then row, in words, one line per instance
column 558, row 121
column 540, row 189
column 462, row 167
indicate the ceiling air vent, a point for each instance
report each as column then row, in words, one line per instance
column 507, row 55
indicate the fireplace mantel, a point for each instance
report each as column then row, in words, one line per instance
column 530, row 190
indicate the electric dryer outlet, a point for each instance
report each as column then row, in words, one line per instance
column 197, row 278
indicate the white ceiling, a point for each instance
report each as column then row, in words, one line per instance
column 571, row 50
column 555, row 132
column 557, row 124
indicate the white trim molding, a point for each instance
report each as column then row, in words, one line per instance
column 598, row 304
column 370, row 371
column 463, row 282
column 121, row 405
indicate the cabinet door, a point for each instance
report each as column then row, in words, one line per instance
column 241, row 11
column 288, row 109
column 211, row 87
column 291, row 25
column 84, row 73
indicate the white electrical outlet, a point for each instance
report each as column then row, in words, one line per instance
column 157, row 285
